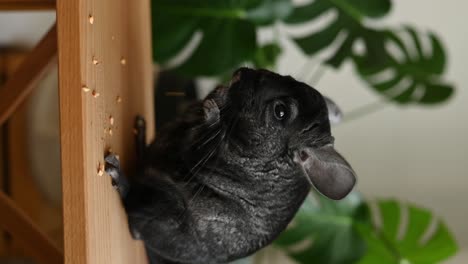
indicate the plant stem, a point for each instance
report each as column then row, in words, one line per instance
column 317, row 76
column 277, row 40
column 303, row 71
column 364, row 110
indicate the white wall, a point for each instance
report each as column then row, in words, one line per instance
column 24, row 28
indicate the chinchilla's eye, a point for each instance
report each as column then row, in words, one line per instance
column 280, row 110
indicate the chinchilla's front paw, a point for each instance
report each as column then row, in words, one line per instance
column 113, row 170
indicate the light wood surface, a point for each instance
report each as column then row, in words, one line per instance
column 27, row 4
column 90, row 54
column 25, row 78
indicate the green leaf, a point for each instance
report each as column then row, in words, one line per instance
column 417, row 79
column 266, row 56
column 385, row 245
column 324, row 232
column 373, row 9
column 321, row 39
column 228, row 30
column 268, row 11
column 350, row 14
column 224, row 45
column 424, row 83
column 355, row 9
column 169, row 41
column 307, row 12
column 342, row 52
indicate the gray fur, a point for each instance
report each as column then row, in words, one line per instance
column 226, row 178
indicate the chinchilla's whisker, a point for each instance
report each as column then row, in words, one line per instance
column 206, row 158
column 204, row 135
column 191, row 201
column 214, row 149
column 199, row 165
column 209, row 139
column 210, row 152
column 195, row 195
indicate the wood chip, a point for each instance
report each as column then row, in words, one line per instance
column 100, row 170
column 110, row 132
column 123, row 61
column 111, row 120
column 95, row 94
column 85, row 88
column 119, row 99
column 91, row 19
column 95, row 61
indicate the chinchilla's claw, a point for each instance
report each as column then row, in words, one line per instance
column 112, row 161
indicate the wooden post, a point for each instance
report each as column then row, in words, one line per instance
column 105, row 72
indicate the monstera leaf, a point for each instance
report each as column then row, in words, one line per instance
column 212, row 37
column 341, row 232
column 227, row 30
column 415, row 76
column 386, row 247
column 324, row 231
column 350, row 15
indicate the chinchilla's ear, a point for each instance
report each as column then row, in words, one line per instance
column 327, row 171
column 335, row 115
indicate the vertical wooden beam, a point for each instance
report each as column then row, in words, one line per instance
column 104, row 46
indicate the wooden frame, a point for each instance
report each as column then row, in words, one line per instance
column 25, row 78
column 27, row 4
column 18, row 86
column 26, row 231
column 105, row 72
column 31, row 207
